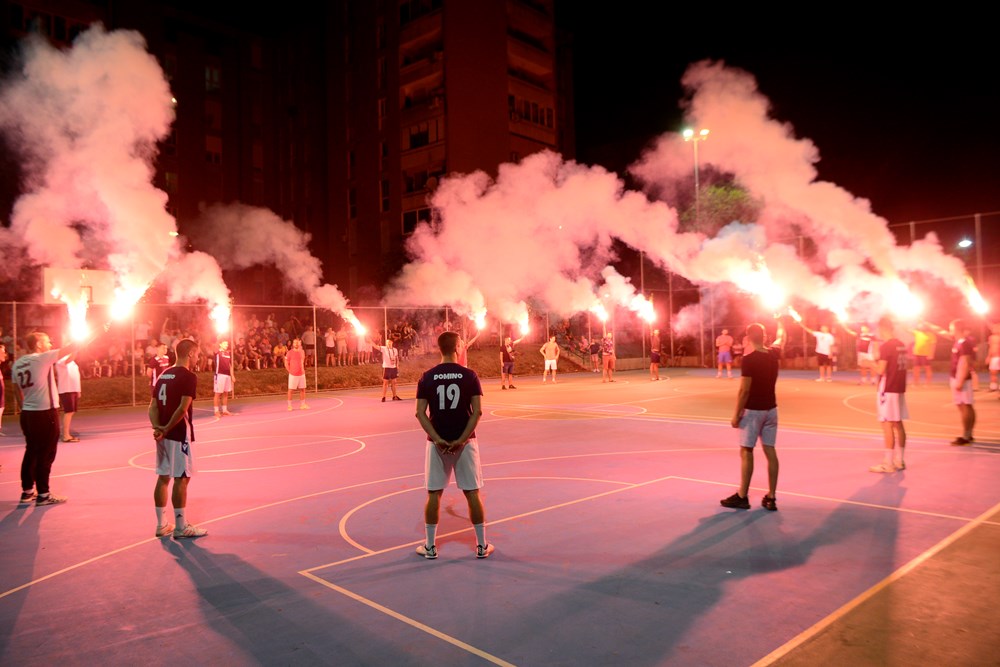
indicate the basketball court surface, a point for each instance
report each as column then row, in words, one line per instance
column 602, row 501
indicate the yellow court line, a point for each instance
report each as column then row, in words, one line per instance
column 629, row 486
column 342, row 526
column 489, row 657
column 818, row 627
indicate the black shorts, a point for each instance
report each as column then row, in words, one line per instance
column 390, row 373
column 823, row 360
column 69, row 402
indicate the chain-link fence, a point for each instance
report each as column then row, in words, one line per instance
column 115, row 364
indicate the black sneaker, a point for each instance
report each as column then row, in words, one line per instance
column 961, row 442
column 49, row 499
column 735, row 502
column 27, row 496
column 769, row 503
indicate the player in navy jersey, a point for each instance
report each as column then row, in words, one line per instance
column 891, row 397
column 756, row 415
column 170, row 413
column 449, row 408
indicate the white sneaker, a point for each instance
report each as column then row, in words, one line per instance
column 483, row 551
column 165, row 530
column 189, row 531
column 883, row 467
column 428, row 552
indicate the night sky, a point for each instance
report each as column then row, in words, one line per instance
column 903, row 110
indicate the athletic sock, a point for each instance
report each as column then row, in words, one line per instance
column 431, row 530
column 887, row 458
column 480, row 533
column 160, row 513
column 180, row 522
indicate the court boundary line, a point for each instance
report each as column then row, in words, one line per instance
column 858, row 600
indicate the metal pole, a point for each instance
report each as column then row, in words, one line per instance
column 131, row 353
column 315, row 354
column 670, row 308
column 701, row 328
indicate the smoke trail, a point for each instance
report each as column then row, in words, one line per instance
column 241, row 236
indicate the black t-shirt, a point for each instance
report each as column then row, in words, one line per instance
column 172, row 385
column 448, row 389
column 762, row 367
column 893, row 352
column 157, row 364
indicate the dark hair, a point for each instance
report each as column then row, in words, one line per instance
column 755, row 332
column 185, row 347
column 448, row 342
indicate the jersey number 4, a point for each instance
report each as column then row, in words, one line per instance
column 162, row 394
column 450, row 393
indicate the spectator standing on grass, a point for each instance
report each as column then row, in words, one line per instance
column 295, row 364
column 309, row 344
column 449, row 406
column 330, row 341
column 595, row 355
column 171, row 414
column 756, row 415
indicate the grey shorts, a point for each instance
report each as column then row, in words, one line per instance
column 759, row 424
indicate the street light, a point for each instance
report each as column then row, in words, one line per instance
column 702, row 135
column 689, row 135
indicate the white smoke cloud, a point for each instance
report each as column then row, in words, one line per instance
column 86, row 121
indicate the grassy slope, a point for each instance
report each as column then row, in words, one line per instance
column 104, row 392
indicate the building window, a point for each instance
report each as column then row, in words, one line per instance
column 412, row 218
column 213, row 150
column 423, row 134
column 386, row 200
column 170, row 143
column 213, row 78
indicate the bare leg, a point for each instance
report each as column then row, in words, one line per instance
column 746, row 470
column 772, row 470
column 432, row 510
column 477, row 513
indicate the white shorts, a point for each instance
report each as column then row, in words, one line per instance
column 961, row 395
column 866, row 360
column 438, row 468
column 995, row 364
column 891, row 407
column 223, row 384
column 174, row 458
column 550, row 364
column 759, row 424
column 296, row 382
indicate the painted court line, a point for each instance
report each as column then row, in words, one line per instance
column 818, row 627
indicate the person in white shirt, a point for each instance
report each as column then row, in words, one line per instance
column 34, row 376
column 824, row 348
column 70, row 390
